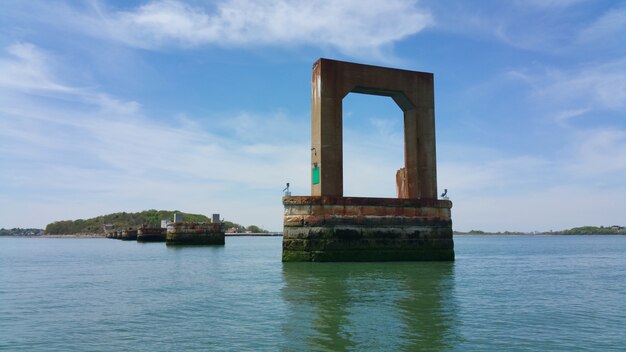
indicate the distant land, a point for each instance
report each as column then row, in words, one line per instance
column 21, row 232
column 123, row 220
column 148, row 217
column 583, row 230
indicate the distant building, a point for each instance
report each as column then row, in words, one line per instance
column 216, row 218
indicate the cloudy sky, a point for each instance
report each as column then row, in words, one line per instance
column 204, row 106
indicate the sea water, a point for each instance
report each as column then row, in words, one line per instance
column 514, row 293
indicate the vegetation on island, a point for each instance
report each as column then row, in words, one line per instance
column 123, row 220
column 583, row 230
column 21, row 232
column 593, row 230
column 255, row 229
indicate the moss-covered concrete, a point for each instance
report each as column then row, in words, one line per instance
column 151, row 234
column 371, row 255
column 129, row 235
column 184, row 233
column 366, row 229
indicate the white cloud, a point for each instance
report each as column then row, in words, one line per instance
column 550, row 208
column 529, row 25
column 581, row 183
column 352, row 27
column 27, row 70
column 567, row 28
column 583, row 187
column 599, row 152
column 99, row 154
column 580, row 90
column 502, row 174
column 610, row 26
column 564, row 116
column 119, row 162
column 548, row 3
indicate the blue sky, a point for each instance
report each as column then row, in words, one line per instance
column 204, row 106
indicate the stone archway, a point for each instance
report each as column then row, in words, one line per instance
column 411, row 90
column 327, row 226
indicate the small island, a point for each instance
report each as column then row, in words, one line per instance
column 582, row 230
column 104, row 225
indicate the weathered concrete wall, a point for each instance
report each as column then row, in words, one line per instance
column 402, row 190
column 329, row 227
column 151, row 234
column 129, row 235
column 366, row 229
column 195, row 233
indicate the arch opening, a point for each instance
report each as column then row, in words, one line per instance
column 373, row 145
column 411, row 90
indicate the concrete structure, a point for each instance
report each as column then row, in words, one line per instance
column 129, row 235
column 178, row 217
column 195, row 233
column 328, row 226
column 151, row 234
column 412, row 91
column 216, row 218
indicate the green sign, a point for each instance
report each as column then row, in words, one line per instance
column 315, row 174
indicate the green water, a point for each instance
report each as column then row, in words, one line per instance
column 514, row 293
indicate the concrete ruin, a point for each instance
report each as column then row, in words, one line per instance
column 195, row 233
column 151, row 234
column 129, row 235
column 327, row 226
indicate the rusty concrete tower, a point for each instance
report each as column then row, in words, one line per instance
column 327, row 226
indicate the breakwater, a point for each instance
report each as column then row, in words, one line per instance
column 195, row 233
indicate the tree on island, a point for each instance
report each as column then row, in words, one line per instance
column 124, row 220
column 255, row 229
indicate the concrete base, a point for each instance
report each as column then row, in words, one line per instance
column 151, row 234
column 186, row 233
column 336, row 229
column 129, row 235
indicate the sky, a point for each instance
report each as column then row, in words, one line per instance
column 204, row 106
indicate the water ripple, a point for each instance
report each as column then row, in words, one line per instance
column 502, row 293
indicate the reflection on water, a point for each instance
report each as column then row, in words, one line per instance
column 547, row 293
column 375, row 306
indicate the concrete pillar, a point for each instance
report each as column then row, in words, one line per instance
column 326, row 131
column 426, row 157
column 411, row 142
column 426, row 151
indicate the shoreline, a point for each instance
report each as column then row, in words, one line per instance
column 73, row 235
column 103, row 235
column 279, row 234
column 254, row 234
column 537, row 234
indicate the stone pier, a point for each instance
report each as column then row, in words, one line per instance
column 151, row 234
column 195, row 233
column 129, row 235
column 327, row 226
